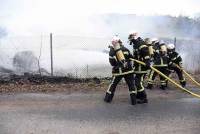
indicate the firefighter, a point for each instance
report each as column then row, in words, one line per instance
column 149, row 43
column 161, row 62
column 141, row 53
column 119, row 58
column 175, row 59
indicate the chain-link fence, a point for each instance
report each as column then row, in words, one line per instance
column 73, row 56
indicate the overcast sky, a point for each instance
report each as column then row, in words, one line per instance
column 36, row 16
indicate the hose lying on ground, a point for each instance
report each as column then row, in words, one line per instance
column 188, row 75
column 179, row 86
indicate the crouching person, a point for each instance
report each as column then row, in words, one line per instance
column 119, row 58
column 175, row 59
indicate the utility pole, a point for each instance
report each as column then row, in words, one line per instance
column 51, row 52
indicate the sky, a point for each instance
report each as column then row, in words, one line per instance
column 73, row 16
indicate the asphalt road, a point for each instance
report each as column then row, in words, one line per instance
column 86, row 113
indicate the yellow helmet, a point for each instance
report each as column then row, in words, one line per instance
column 148, row 41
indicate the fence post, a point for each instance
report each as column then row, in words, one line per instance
column 51, row 52
column 87, row 71
column 175, row 41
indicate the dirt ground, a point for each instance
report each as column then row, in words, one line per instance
column 78, row 108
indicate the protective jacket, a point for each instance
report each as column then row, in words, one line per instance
column 117, row 67
column 141, row 53
column 159, row 59
column 175, row 58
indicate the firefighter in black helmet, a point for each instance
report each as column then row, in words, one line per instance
column 141, row 53
column 119, row 58
column 175, row 59
column 161, row 62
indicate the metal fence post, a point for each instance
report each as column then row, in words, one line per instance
column 175, row 41
column 87, row 70
column 51, row 52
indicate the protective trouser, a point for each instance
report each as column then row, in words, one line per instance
column 153, row 75
column 129, row 78
column 141, row 94
column 180, row 75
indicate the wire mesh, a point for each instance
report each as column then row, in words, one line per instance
column 74, row 56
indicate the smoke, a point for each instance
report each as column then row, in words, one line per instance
column 3, row 32
column 85, row 37
column 185, row 29
column 82, row 30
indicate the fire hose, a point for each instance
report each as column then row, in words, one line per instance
column 188, row 75
column 172, row 81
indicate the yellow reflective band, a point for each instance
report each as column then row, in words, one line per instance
column 108, row 91
column 142, row 78
column 114, row 57
column 141, row 84
column 164, row 65
column 141, row 90
column 140, row 72
column 163, row 82
column 150, row 82
column 174, row 58
column 142, row 46
column 161, row 61
column 133, row 92
column 140, row 68
column 118, row 74
column 146, row 57
column 126, row 52
column 182, row 80
column 151, row 75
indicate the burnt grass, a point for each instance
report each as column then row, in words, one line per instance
column 37, row 83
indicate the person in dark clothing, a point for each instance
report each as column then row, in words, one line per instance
column 161, row 62
column 121, row 68
column 175, row 59
column 141, row 53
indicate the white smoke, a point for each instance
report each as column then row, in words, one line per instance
column 85, row 34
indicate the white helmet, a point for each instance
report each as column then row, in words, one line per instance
column 115, row 40
column 133, row 34
column 154, row 40
column 148, row 41
column 170, row 46
column 161, row 42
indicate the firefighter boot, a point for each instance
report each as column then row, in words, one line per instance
column 163, row 87
column 149, row 86
column 183, row 83
column 166, row 84
column 108, row 98
column 133, row 99
column 142, row 97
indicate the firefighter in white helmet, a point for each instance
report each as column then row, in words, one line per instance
column 161, row 62
column 119, row 58
column 175, row 59
column 149, row 43
column 141, row 53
